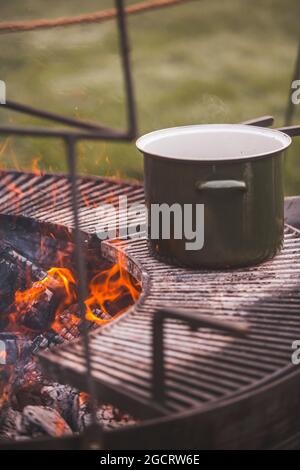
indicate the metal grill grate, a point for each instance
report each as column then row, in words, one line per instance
column 201, row 366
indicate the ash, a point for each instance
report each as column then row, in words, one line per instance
column 32, row 405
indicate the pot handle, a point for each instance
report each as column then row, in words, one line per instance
column 292, row 131
column 215, row 185
column 263, row 121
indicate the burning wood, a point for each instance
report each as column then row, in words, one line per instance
column 38, row 421
column 43, row 304
column 38, row 310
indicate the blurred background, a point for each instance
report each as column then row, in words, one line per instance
column 203, row 61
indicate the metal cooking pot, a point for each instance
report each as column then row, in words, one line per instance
column 236, row 172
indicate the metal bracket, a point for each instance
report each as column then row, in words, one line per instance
column 195, row 321
column 87, row 130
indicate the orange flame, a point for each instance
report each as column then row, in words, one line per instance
column 14, row 188
column 35, row 166
column 83, row 398
column 106, row 287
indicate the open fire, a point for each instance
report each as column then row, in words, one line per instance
column 39, row 310
column 42, row 305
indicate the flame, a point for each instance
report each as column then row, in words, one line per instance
column 66, row 280
column 57, row 279
column 5, row 145
column 110, row 286
column 106, row 288
column 14, row 189
column 83, row 398
column 35, row 165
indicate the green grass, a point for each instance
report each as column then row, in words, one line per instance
column 204, row 61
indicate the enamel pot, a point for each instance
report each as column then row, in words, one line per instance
column 226, row 180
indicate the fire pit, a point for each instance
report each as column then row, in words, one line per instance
column 211, row 380
column 39, row 310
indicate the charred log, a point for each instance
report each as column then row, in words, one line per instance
column 38, row 421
